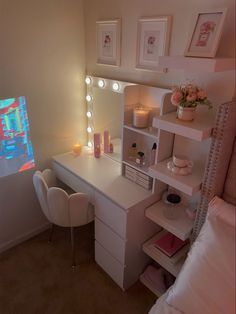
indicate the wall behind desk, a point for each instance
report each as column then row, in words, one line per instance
column 42, row 58
column 220, row 86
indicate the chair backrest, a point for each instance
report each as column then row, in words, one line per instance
column 41, row 190
column 68, row 210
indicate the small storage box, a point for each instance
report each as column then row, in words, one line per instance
column 138, row 177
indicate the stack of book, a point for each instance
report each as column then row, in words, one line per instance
column 169, row 244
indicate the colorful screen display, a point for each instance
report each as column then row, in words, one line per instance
column 16, row 152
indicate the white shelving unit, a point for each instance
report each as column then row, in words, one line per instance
column 199, row 129
column 180, row 227
column 188, row 184
column 151, row 131
column 197, row 64
column 162, row 130
column 157, row 100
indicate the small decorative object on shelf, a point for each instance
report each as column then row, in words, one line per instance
column 187, row 98
column 172, row 199
column 180, row 165
column 140, row 116
column 111, row 149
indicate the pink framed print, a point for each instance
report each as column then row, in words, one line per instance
column 108, row 42
column 152, row 42
column 206, row 33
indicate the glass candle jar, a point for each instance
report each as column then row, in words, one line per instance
column 140, row 117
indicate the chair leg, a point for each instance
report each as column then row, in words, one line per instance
column 73, row 247
column 51, row 233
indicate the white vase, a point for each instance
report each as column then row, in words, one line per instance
column 186, row 113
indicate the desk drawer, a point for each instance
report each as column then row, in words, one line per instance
column 74, row 182
column 114, row 216
column 110, row 240
column 110, row 265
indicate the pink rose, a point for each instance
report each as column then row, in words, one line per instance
column 176, row 97
column 191, row 97
column 201, row 94
column 191, row 89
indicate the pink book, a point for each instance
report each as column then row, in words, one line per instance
column 170, row 244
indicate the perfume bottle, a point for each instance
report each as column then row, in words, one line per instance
column 153, row 154
column 133, row 151
column 140, row 160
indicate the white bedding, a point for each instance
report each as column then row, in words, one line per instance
column 206, row 283
column 161, row 307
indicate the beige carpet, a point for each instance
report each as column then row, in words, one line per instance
column 36, row 277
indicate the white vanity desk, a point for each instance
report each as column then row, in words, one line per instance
column 120, row 224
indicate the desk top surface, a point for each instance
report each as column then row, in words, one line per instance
column 104, row 174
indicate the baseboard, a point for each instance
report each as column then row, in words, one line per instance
column 7, row 245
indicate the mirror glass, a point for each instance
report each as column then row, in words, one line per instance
column 105, row 102
column 107, row 115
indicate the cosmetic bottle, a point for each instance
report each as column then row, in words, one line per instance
column 140, row 159
column 97, row 151
column 153, row 154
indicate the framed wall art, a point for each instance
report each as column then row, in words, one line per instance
column 108, row 42
column 152, row 42
column 205, row 33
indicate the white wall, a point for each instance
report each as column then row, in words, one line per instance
column 41, row 58
column 220, row 86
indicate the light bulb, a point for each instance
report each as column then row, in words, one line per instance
column 101, row 83
column 115, row 86
column 88, row 80
column 89, row 129
column 89, row 114
column 89, row 98
column 90, row 144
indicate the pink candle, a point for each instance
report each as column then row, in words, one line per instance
column 97, row 143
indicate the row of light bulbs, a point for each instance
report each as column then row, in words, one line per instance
column 101, row 84
column 89, row 99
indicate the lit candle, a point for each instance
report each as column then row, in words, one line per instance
column 140, row 117
column 77, row 148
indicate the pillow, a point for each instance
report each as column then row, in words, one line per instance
column 206, row 281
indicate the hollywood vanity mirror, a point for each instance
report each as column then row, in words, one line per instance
column 104, row 111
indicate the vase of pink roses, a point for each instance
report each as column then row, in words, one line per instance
column 186, row 98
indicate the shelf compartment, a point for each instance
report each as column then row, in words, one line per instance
column 199, row 129
column 188, row 184
column 150, row 131
column 180, row 227
column 174, row 264
column 150, row 286
column 197, row 64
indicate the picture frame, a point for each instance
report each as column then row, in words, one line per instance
column 205, row 33
column 108, row 42
column 153, row 38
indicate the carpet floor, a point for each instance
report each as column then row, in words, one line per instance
column 36, row 278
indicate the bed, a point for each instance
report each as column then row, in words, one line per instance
column 206, row 283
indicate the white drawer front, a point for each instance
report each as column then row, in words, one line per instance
column 110, row 240
column 111, row 266
column 113, row 215
column 74, row 182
